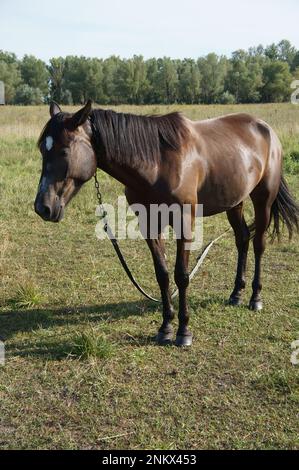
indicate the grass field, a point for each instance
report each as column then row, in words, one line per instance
column 82, row 371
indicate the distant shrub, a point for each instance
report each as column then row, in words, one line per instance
column 27, row 95
column 227, row 98
column 66, row 97
column 290, row 146
column 295, row 156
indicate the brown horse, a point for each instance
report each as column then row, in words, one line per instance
column 170, row 159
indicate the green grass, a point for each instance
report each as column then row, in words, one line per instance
column 89, row 344
column 26, row 296
column 82, row 370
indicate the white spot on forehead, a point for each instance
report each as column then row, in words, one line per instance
column 49, row 142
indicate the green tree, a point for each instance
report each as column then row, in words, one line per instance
column 277, row 81
column 111, row 67
column 189, row 82
column 74, row 78
column 286, row 52
column 83, row 77
column 8, row 57
column 272, row 52
column 245, row 78
column 94, row 80
column 153, row 94
column 296, row 74
column 34, row 73
column 131, row 82
column 295, row 63
column 167, row 80
column 258, row 51
column 259, row 74
column 213, row 71
column 56, row 73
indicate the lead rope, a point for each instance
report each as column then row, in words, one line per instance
column 107, row 229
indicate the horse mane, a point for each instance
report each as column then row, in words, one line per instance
column 132, row 139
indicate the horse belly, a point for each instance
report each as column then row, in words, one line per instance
column 228, row 186
column 219, row 199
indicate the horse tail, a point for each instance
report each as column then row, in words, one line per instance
column 284, row 211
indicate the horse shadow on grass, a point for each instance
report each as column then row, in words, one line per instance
column 55, row 346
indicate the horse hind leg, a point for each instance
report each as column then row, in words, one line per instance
column 242, row 236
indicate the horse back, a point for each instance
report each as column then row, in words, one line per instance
column 234, row 152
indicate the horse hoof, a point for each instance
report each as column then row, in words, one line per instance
column 256, row 305
column 164, row 338
column 235, row 301
column 183, row 340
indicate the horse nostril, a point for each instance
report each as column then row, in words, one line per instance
column 46, row 212
column 42, row 210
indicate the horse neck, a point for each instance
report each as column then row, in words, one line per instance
column 136, row 178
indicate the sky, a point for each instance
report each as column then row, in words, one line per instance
column 152, row 28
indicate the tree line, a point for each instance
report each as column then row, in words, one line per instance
column 258, row 75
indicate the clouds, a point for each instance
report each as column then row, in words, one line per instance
column 156, row 28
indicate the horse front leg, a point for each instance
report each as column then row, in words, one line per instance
column 184, row 336
column 165, row 332
column 262, row 220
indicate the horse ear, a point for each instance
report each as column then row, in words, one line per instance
column 80, row 116
column 54, row 109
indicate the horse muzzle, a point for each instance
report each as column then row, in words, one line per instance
column 49, row 212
